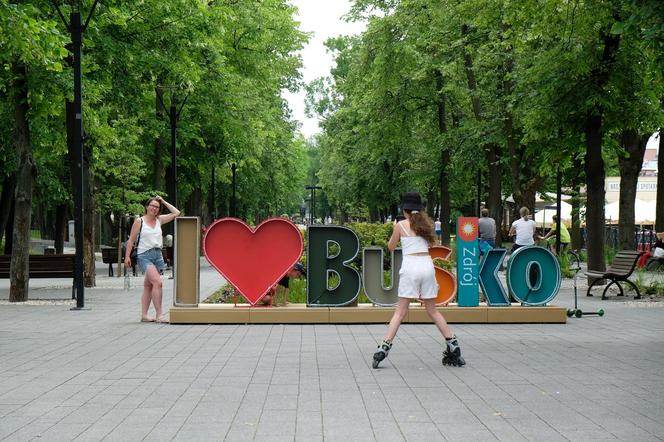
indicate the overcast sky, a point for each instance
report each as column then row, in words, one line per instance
column 323, row 18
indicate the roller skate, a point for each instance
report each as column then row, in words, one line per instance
column 383, row 349
column 452, row 353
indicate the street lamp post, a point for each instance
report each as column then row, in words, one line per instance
column 313, row 202
column 76, row 28
column 173, row 118
column 234, row 200
column 479, row 193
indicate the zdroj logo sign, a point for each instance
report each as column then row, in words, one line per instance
column 254, row 260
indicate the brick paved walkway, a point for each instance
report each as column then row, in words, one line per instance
column 102, row 375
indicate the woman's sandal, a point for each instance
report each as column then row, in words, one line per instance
column 161, row 320
column 148, row 320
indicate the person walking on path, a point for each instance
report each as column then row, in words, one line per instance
column 524, row 229
column 487, row 231
column 146, row 237
column 439, row 230
column 417, row 278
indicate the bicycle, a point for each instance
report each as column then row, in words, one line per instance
column 569, row 255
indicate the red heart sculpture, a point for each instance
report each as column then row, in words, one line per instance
column 252, row 260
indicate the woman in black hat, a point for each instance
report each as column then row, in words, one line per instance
column 417, row 278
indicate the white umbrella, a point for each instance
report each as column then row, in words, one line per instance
column 543, row 199
column 644, row 211
column 611, row 211
column 544, row 217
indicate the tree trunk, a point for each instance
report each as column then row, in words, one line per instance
column 494, row 201
column 6, row 201
column 373, row 214
column 576, row 182
column 40, row 220
column 60, row 227
column 9, row 229
column 19, row 266
column 88, row 198
column 594, row 167
column 443, row 175
column 431, row 204
column 195, row 201
column 630, row 165
column 89, row 215
column 659, row 222
column 470, row 77
column 491, row 150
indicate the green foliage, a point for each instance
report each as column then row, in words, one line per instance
column 535, row 68
column 224, row 65
column 650, row 287
column 372, row 234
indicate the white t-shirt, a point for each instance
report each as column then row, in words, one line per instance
column 437, row 225
column 525, row 230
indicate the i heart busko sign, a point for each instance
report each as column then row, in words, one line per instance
column 252, row 260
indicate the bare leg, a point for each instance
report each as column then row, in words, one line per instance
column 145, row 298
column 397, row 317
column 152, row 275
column 438, row 319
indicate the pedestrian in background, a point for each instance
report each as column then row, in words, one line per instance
column 524, row 229
column 487, row 231
column 439, row 230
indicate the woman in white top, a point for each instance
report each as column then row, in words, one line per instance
column 525, row 230
column 149, row 258
column 417, row 278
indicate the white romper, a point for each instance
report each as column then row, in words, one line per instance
column 417, row 276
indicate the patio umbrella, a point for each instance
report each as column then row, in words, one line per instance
column 544, row 217
column 644, row 211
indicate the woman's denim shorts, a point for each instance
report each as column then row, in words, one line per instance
column 152, row 256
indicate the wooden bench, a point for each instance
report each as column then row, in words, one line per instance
column 109, row 255
column 619, row 271
column 44, row 266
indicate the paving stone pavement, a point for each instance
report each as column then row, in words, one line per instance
column 100, row 374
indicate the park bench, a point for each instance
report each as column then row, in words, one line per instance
column 619, row 271
column 109, row 255
column 43, row 266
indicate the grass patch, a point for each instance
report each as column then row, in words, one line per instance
column 648, row 288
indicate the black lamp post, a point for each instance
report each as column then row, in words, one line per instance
column 313, row 202
column 479, row 193
column 76, row 29
column 173, row 118
column 233, row 199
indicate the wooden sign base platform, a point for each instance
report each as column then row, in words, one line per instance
column 362, row 314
